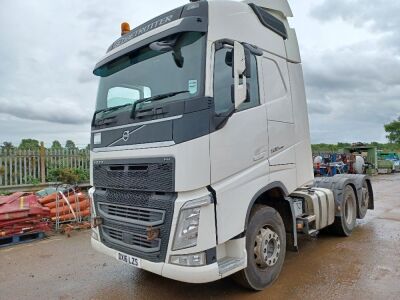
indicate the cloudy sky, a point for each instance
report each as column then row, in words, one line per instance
column 350, row 51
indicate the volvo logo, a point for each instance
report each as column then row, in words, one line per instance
column 125, row 135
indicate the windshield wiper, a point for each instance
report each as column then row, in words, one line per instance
column 154, row 98
column 110, row 109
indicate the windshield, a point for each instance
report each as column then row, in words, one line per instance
column 148, row 73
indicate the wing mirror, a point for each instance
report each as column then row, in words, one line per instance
column 162, row 46
column 239, row 68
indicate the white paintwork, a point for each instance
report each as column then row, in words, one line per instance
column 278, row 5
column 142, row 37
column 302, row 141
column 227, row 20
column 192, row 169
column 292, row 47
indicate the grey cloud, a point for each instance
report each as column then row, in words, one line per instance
column 358, row 84
column 379, row 16
column 54, row 110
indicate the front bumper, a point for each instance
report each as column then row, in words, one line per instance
column 203, row 274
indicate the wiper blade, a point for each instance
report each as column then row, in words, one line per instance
column 110, row 109
column 107, row 110
column 154, row 98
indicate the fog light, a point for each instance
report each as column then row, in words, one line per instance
column 94, row 235
column 96, row 221
column 189, row 260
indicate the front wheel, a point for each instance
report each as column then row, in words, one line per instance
column 266, row 249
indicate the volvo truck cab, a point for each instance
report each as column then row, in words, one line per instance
column 201, row 161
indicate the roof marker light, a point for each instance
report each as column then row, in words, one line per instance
column 125, row 28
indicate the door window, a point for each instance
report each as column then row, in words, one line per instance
column 223, row 82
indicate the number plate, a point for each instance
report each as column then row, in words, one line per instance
column 129, row 259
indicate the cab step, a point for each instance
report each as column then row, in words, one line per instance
column 228, row 264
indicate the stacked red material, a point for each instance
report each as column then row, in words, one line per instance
column 70, row 206
column 21, row 213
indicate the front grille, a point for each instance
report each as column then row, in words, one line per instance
column 131, row 239
column 131, row 214
column 127, row 215
column 154, row 175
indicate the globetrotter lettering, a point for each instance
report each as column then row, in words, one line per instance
column 141, row 30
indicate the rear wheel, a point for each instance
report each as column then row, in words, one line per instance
column 345, row 224
column 364, row 202
column 266, row 249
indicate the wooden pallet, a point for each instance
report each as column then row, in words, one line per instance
column 21, row 238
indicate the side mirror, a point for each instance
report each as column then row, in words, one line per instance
column 162, row 46
column 239, row 67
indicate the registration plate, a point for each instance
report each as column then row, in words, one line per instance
column 129, row 259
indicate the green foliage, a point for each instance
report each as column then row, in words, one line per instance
column 56, row 145
column 29, row 144
column 331, row 148
column 393, row 130
column 68, row 175
column 7, row 146
column 5, row 193
column 70, row 145
column 32, row 180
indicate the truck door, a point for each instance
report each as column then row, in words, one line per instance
column 281, row 127
column 239, row 150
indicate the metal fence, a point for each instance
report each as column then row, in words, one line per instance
column 25, row 167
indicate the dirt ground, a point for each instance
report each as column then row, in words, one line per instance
column 363, row 266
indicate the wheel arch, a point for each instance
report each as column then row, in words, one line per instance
column 274, row 195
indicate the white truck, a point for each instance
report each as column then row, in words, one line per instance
column 201, row 162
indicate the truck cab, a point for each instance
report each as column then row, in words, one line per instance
column 199, row 144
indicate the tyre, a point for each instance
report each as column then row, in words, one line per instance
column 363, row 203
column 266, row 249
column 345, row 224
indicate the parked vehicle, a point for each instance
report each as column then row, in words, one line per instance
column 201, row 156
column 390, row 156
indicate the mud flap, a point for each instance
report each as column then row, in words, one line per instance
column 291, row 237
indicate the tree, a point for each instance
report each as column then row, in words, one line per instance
column 70, row 145
column 7, row 146
column 29, row 144
column 56, row 145
column 393, row 130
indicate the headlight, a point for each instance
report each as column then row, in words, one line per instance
column 187, row 228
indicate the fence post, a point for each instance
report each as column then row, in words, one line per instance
column 42, row 163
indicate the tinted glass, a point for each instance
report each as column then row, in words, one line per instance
column 148, row 73
column 223, row 81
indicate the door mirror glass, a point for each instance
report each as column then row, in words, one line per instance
column 239, row 67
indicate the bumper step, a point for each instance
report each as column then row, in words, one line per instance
column 228, row 264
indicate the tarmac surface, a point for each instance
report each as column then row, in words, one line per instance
column 363, row 266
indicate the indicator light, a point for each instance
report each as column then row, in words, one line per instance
column 125, row 28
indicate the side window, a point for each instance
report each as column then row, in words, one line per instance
column 223, row 81
column 253, row 94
